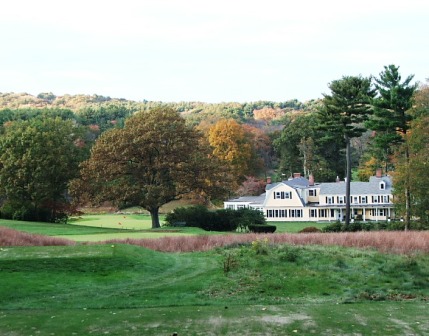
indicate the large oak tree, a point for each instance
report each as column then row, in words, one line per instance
column 156, row 158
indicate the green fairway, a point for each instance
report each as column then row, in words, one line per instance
column 250, row 289
column 293, row 227
column 116, row 221
column 96, row 228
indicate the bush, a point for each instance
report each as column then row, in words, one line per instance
column 257, row 228
column 192, row 216
column 220, row 220
column 310, row 229
column 334, row 227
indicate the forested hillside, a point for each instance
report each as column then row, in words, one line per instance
column 361, row 125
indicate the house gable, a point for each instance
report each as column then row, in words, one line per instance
column 283, row 195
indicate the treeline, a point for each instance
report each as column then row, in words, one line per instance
column 381, row 122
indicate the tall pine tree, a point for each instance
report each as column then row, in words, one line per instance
column 391, row 119
column 343, row 113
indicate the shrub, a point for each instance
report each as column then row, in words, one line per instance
column 192, row 216
column 334, row 227
column 220, row 220
column 309, row 229
column 260, row 246
column 257, row 228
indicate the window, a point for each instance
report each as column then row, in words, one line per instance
column 313, row 213
column 340, row 199
column 355, row 200
column 282, row 195
column 329, row 199
column 386, row 199
column 364, row 199
column 312, row 192
column 295, row 213
column 382, row 185
column 241, row 206
column 230, row 206
column 322, row 213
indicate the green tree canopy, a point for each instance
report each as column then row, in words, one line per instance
column 391, row 118
column 38, row 158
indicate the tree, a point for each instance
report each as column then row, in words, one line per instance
column 38, row 158
column 231, row 144
column 344, row 112
column 411, row 173
column 299, row 152
column 156, row 158
column 391, row 119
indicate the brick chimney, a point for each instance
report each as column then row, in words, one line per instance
column 379, row 173
column 268, row 180
column 311, row 180
column 296, row 175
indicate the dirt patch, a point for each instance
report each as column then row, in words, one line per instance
column 285, row 319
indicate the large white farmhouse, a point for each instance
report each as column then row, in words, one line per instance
column 301, row 199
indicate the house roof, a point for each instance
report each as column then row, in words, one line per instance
column 358, row 188
column 249, row 199
column 297, row 182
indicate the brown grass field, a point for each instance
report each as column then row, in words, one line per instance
column 384, row 241
column 10, row 237
column 402, row 242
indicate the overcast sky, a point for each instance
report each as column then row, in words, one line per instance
column 210, row 51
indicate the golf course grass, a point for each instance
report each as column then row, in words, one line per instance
column 254, row 288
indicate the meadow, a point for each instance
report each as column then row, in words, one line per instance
column 277, row 284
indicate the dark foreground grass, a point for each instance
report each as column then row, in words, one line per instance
column 250, row 289
column 377, row 318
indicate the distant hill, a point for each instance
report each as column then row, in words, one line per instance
column 195, row 112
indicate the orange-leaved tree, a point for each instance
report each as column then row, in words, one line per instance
column 232, row 145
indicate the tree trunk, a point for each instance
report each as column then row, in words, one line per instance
column 154, row 214
column 348, row 179
column 407, row 189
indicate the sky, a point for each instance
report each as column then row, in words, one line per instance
column 207, row 51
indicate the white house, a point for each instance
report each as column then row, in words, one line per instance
column 300, row 199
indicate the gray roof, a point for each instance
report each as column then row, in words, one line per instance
column 297, row 182
column 249, row 199
column 358, row 188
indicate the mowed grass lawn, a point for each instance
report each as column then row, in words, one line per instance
column 253, row 288
column 95, row 228
column 265, row 290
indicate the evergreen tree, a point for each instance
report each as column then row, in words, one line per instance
column 343, row 113
column 391, row 119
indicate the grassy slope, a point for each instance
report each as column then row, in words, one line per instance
column 98, row 289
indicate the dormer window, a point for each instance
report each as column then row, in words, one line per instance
column 382, row 185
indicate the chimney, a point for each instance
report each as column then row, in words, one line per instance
column 268, row 180
column 379, row 173
column 296, row 175
column 337, row 179
column 311, row 180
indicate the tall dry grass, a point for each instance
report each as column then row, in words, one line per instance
column 384, row 241
column 10, row 237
